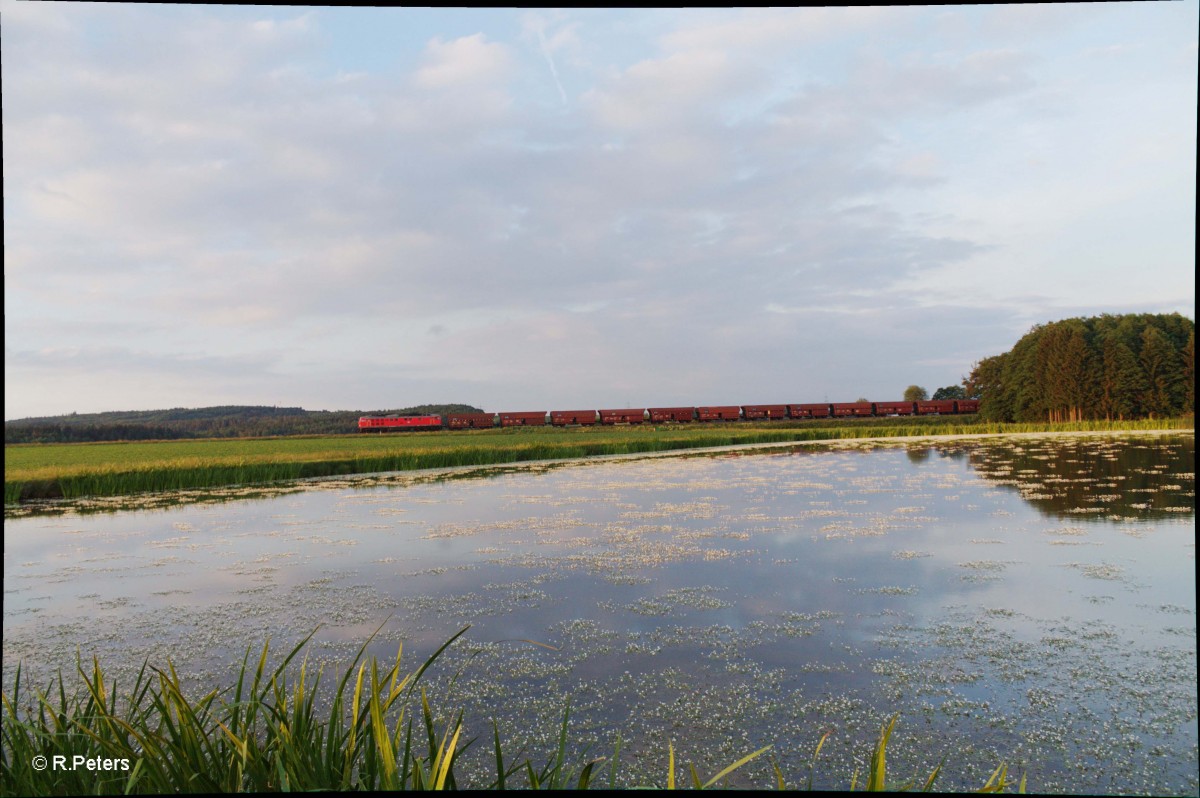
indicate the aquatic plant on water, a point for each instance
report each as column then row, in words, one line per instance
column 267, row 734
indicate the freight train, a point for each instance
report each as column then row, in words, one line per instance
column 666, row 415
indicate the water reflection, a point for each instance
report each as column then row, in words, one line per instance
column 170, row 500
column 1089, row 479
column 919, row 454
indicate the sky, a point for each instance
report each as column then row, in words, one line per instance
column 534, row 209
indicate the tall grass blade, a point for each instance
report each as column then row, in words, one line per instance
column 813, row 765
column 878, row 773
column 500, row 774
column 932, row 776
column 612, row 777
column 585, row 778
column 997, row 782
column 736, row 765
column 446, row 756
column 780, row 784
column 134, row 775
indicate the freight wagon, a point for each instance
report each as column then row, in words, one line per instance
column 809, row 411
column 561, row 418
column 894, row 408
column 844, row 409
column 661, row 415
column 668, row 415
column 471, row 420
column 523, row 419
column 752, row 412
column 627, row 416
column 727, row 413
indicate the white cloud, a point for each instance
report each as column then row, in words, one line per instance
column 677, row 89
column 755, row 29
column 467, row 60
column 712, row 193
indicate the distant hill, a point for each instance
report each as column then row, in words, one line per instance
column 234, row 421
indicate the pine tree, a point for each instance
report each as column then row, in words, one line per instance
column 1063, row 365
column 1187, row 368
column 1025, row 388
column 1122, row 381
column 1078, row 374
column 1164, row 374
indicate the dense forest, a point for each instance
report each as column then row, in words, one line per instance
column 205, row 422
column 1102, row 367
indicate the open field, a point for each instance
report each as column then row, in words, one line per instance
column 42, row 471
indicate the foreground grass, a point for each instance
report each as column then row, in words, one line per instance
column 42, row 471
column 267, row 734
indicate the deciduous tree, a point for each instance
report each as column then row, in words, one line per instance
column 950, row 392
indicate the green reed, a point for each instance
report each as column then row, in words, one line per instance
column 266, row 734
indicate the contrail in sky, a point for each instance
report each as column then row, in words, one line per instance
column 550, row 61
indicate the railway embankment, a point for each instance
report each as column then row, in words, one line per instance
column 53, row 472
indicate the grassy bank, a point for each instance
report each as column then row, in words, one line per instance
column 45, row 471
column 267, row 734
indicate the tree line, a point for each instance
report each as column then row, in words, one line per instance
column 1100, row 367
column 204, row 422
column 915, row 393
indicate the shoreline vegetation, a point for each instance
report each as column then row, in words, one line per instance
column 270, row 733
column 38, row 472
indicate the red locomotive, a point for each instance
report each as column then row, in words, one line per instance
column 387, row 423
column 660, row 415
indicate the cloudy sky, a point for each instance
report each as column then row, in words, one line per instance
column 341, row 208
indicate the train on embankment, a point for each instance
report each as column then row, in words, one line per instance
column 666, row 415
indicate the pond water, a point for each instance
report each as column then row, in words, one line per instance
column 1022, row 600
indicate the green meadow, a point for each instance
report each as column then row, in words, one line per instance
column 71, row 471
